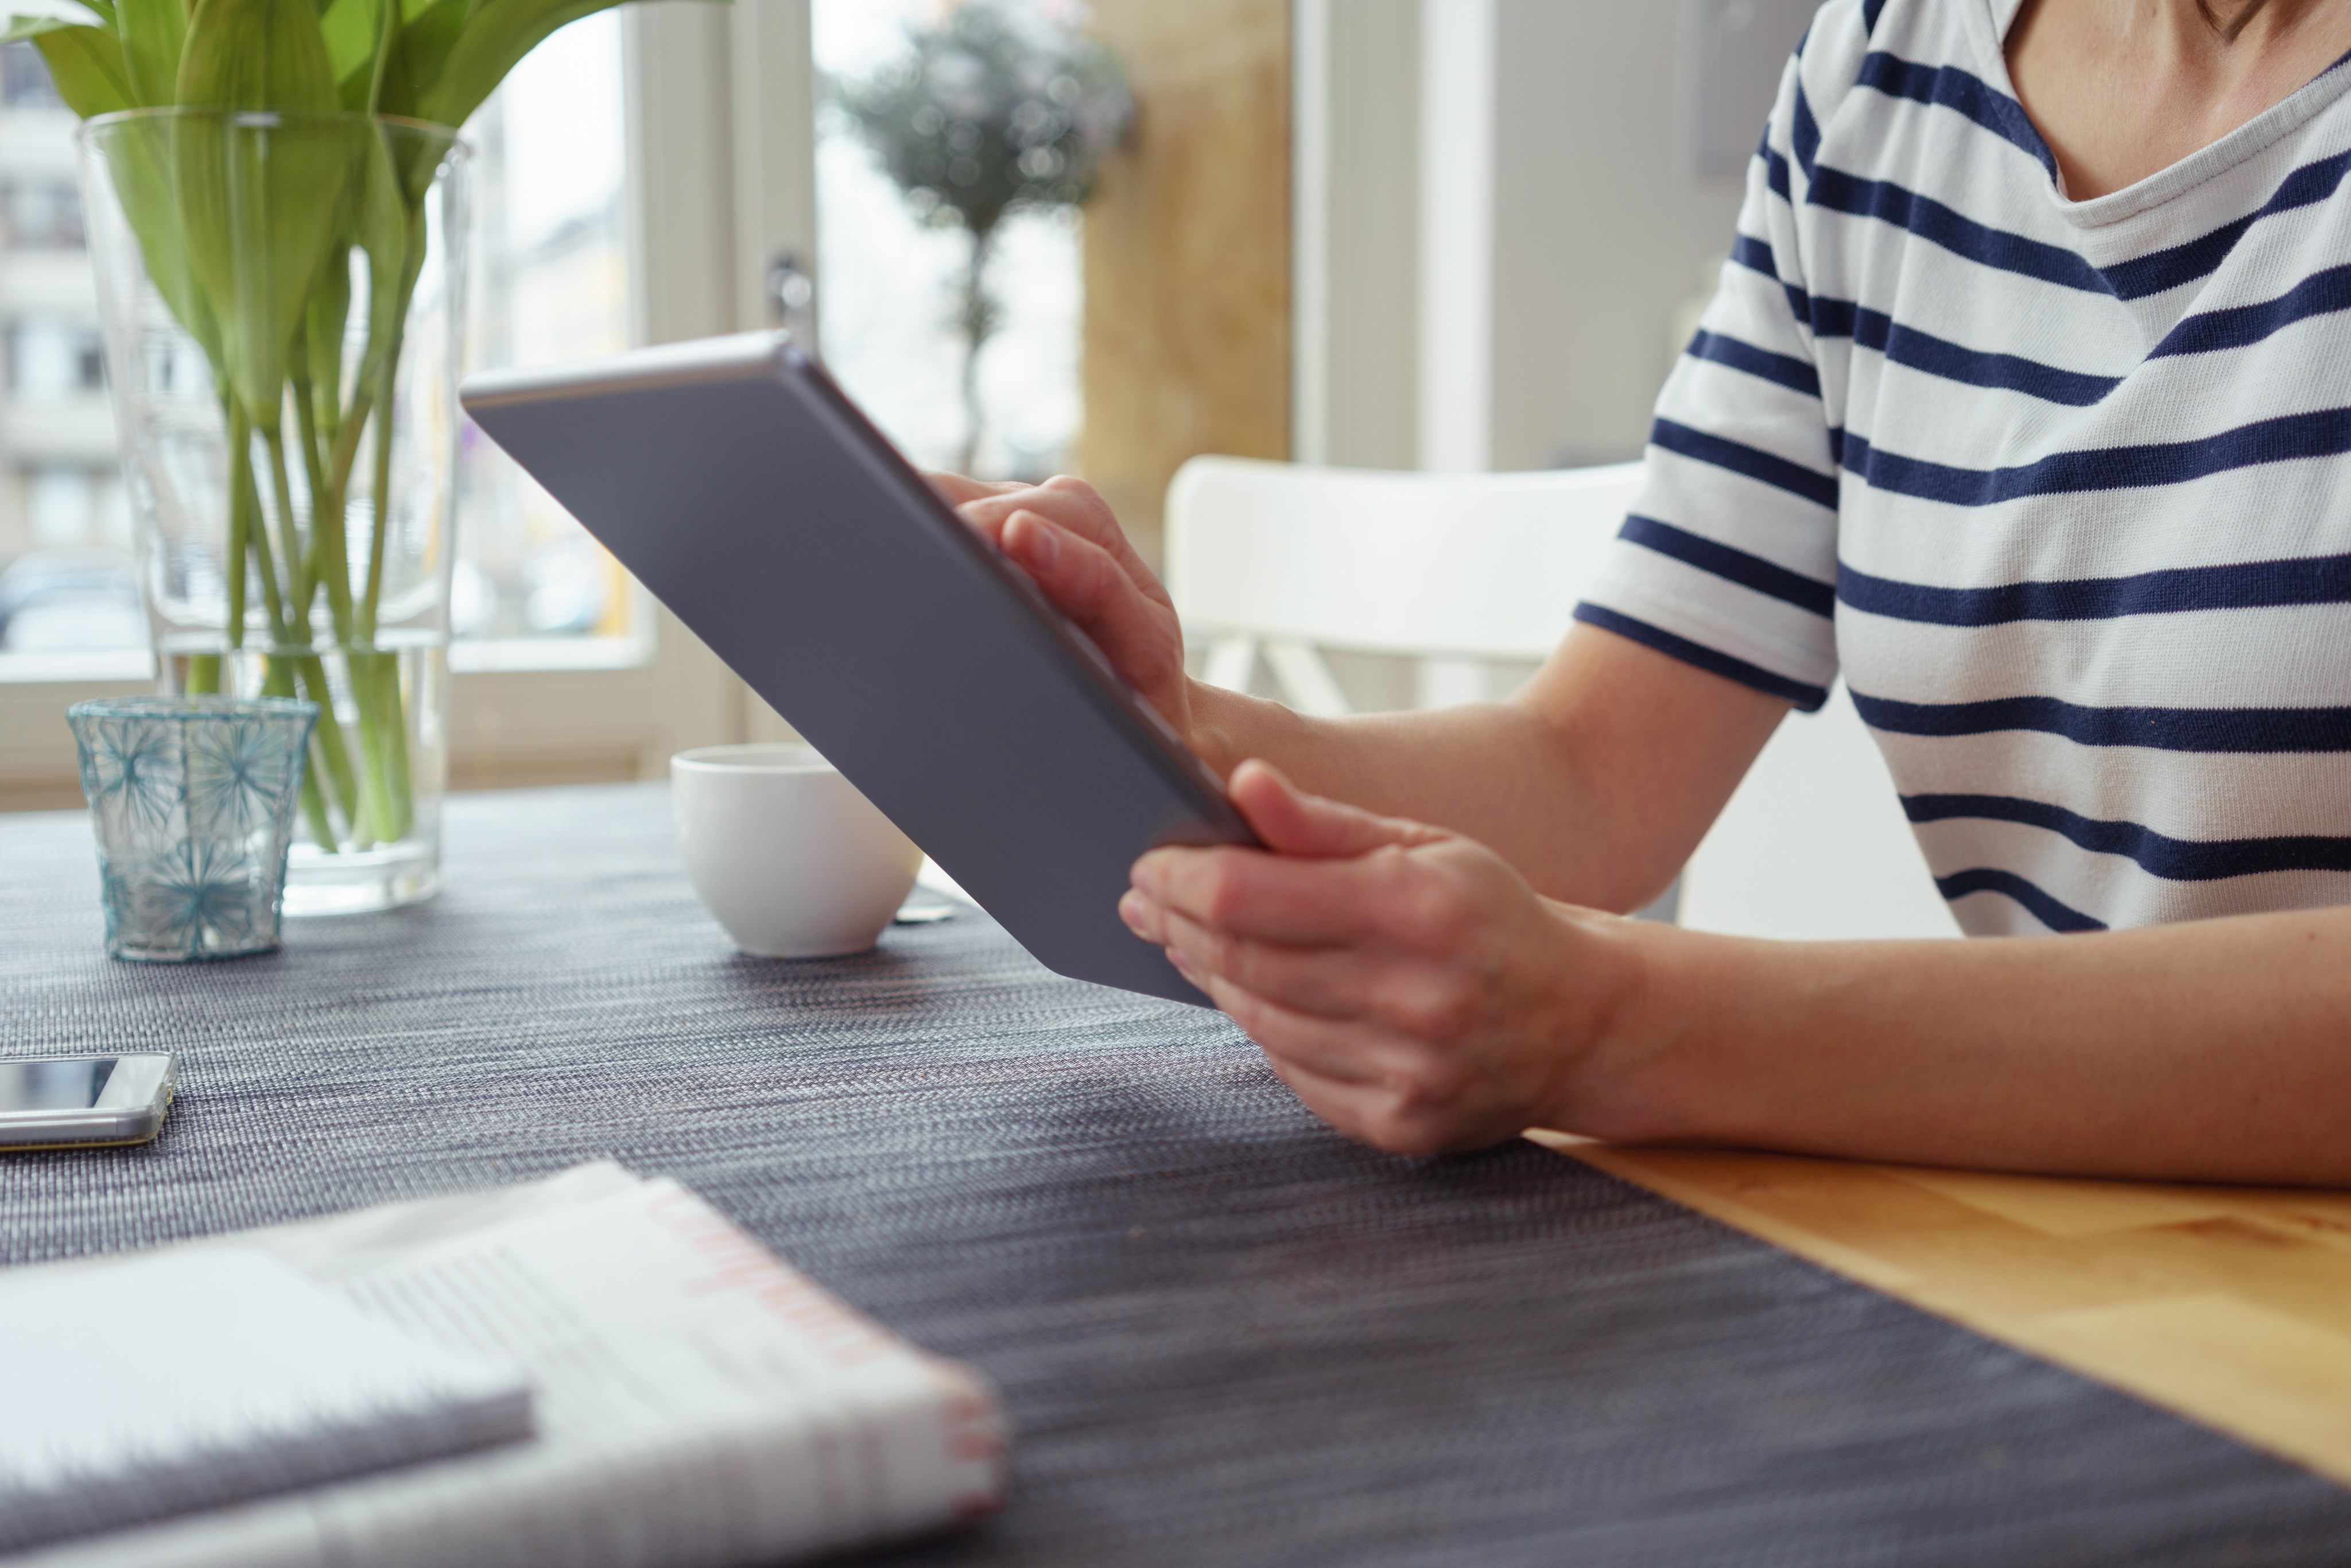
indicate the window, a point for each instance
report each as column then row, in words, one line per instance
column 888, row 304
column 55, row 357
column 41, row 213
column 550, row 283
column 636, row 177
column 67, row 585
column 24, row 81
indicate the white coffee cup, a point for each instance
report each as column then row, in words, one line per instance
column 784, row 851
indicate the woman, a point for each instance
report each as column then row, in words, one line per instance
column 2027, row 407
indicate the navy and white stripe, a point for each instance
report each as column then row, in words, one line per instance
column 2061, row 490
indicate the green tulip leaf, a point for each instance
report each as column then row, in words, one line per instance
column 498, row 33
column 387, row 219
column 261, row 197
column 256, row 55
column 351, row 28
column 86, row 63
column 427, row 34
column 325, row 315
column 152, row 33
column 138, row 165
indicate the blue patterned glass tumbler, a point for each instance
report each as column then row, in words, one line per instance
column 193, row 802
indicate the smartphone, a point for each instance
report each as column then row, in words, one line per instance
column 83, row 1102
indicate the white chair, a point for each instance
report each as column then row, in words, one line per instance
column 1461, row 571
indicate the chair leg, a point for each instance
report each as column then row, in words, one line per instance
column 1307, row 682
column 1231, row 662
column 1450, row 682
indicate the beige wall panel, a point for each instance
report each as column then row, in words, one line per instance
column 1187, row 252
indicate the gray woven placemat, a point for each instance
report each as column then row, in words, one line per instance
column 1223, row 1335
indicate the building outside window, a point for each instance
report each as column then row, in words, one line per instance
column 65, row 579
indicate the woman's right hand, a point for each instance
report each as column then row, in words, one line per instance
column 1064, row 536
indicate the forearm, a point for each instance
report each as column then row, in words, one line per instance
column 2216, row 1050
column 1492, row 771
column 1595, row 781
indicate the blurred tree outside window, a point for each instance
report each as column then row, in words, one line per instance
column 955, row 144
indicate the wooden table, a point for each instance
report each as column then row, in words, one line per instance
column 2231, row 1305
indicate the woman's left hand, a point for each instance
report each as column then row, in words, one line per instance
column 1405, row 982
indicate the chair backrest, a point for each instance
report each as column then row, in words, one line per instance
column 1468, row 566
column 1274, row 561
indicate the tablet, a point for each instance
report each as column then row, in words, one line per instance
column 753, row 499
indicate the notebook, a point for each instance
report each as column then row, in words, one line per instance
column 164, row 1384
column 697, row 1402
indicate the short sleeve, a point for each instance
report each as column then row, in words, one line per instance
column 1728, row 559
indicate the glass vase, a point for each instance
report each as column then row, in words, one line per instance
column 283, row 301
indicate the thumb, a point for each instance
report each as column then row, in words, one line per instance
column 1291, row 822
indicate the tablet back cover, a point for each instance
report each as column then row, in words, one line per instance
column 755, row 503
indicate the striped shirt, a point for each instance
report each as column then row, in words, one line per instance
column 2062, row 489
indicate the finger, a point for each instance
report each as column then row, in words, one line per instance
column 1379, row 985
column 1093, row 589
column 1293, row 822
column 1365, row 1112
column 986, row 522
column 1073, row 504
column 1273, row 898
column 1097, row 520
column 1341, row 1052
column 1354, row 1079
column 958, row 489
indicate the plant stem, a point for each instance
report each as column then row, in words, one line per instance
column 203, row 671
column 278, row 681
column 347, row 443
column 326, row 741
column 277, row 671
column 382, row 498
column 377, row 787
column 395, row 745
column 369, row 814
column 382, row 797
column 246, row 505
column 330, row 557
column 390, row 18
column 390, row 756
column 299, row 590
column 376, row 810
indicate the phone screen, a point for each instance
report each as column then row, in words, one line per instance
column 71, row 1084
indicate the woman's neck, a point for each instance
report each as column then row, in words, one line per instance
column 2123, row 88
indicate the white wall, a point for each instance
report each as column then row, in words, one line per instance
column 1520, row 317
column 1601, row 227
column 1813, row 846
column 1356, row 103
